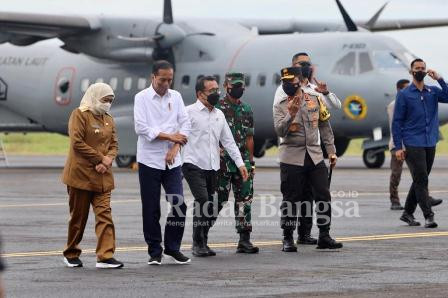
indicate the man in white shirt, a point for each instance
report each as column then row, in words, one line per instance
column 330, row 99
column 162, row 126
column 201, row 159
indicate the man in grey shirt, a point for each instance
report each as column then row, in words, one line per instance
column 297, row 122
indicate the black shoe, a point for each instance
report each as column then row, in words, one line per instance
column 211, row 252
column 157, row 260
column 199, row 250
column 307, row 240
column 109, row 264
column 430, row 223
column 328, row 242
column 288, row 242
column 72, row 262
column 245, row 246
column 409, row 219
column 178, row 257
column 435, row 202
column 396, row 206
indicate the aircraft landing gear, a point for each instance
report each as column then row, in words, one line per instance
column 374, row 158
column 125, row 161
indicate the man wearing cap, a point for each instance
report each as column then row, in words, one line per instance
column 299, row 121
column 239, row 116
column 303, row 60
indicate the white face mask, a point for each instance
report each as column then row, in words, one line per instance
column 103, row 107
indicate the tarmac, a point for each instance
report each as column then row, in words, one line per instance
column 382, row 256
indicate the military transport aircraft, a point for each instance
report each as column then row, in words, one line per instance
column 48, row 61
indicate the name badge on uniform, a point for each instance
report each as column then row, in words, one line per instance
column 97, row 128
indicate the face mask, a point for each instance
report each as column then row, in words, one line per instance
column 236, row 92
column 290, row 88
column 213, row 98
column 419, row 75
column 307, row 70
column 103, row 107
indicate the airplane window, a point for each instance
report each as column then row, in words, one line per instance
column 346, row 65
column 64, row 85
column 261, row 80
column 276, row 79
column 247, row 79
column 141, row 84
column 387, row 60
column 84, row 85
column 99, row 80
column 127, row 84
column 365, row 64
column 113, row 83
column 185, row 81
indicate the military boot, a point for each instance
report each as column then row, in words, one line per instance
column 199, row 249
column 288, row 241
column 245, row 246
column 325, row 241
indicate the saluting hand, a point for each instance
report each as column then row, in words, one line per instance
column 433, row 74
column 321, row 87
column 244, row 173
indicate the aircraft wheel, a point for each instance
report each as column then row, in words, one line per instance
column 125, row 161
column 373, row 159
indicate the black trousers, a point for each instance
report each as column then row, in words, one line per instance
column 150, row 181
column 203, row 186
column 419, row 161
column 306, row 213
column 293, row 180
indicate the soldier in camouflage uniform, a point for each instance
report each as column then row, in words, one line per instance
column 239, row 116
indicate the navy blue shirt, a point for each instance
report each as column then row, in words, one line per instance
column 416, row 119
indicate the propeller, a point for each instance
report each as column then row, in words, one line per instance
column 371, row 23
column 351, row 26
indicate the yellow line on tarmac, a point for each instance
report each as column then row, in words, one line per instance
column 233, row 244
column 61, row 204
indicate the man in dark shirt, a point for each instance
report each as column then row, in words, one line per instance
column 415, row 129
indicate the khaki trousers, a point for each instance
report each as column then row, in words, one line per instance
column 79, row 202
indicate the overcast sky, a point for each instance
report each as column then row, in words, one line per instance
column 430, row 44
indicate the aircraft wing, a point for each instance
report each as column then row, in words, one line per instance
column 27, row 28
column 388, row 25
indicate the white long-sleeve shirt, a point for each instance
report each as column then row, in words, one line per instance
column 155, row 114
column 208, row 129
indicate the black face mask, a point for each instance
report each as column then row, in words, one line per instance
column 307, row 70
column 235, row 92
column 419, row 75
column 290, row 88
column 213, row 98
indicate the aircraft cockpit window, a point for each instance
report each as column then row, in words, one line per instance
column 365, row 64
column 99, row 80
column 84, row 85
column 346, row 65
column 127, row 84
column 247, row 79
column 261, row 80
column 141, row 84
column 63, row 85
column 113, row 83
column 276, row 80
column 185, row 81
column 387, row 60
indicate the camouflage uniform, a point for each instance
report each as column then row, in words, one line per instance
column 240, row 119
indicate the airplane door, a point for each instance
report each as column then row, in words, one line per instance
column 63, row 89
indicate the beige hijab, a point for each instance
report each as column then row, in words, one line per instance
column 91, row 99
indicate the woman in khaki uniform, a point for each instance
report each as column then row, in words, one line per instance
column 88, row 175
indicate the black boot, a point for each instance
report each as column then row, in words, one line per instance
column 288, row 241
column 435, row 202
column 210, row 251
column 199, row 248
column 306, row 240
column 430, row 223
column 325, row 241
column 245, row 246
